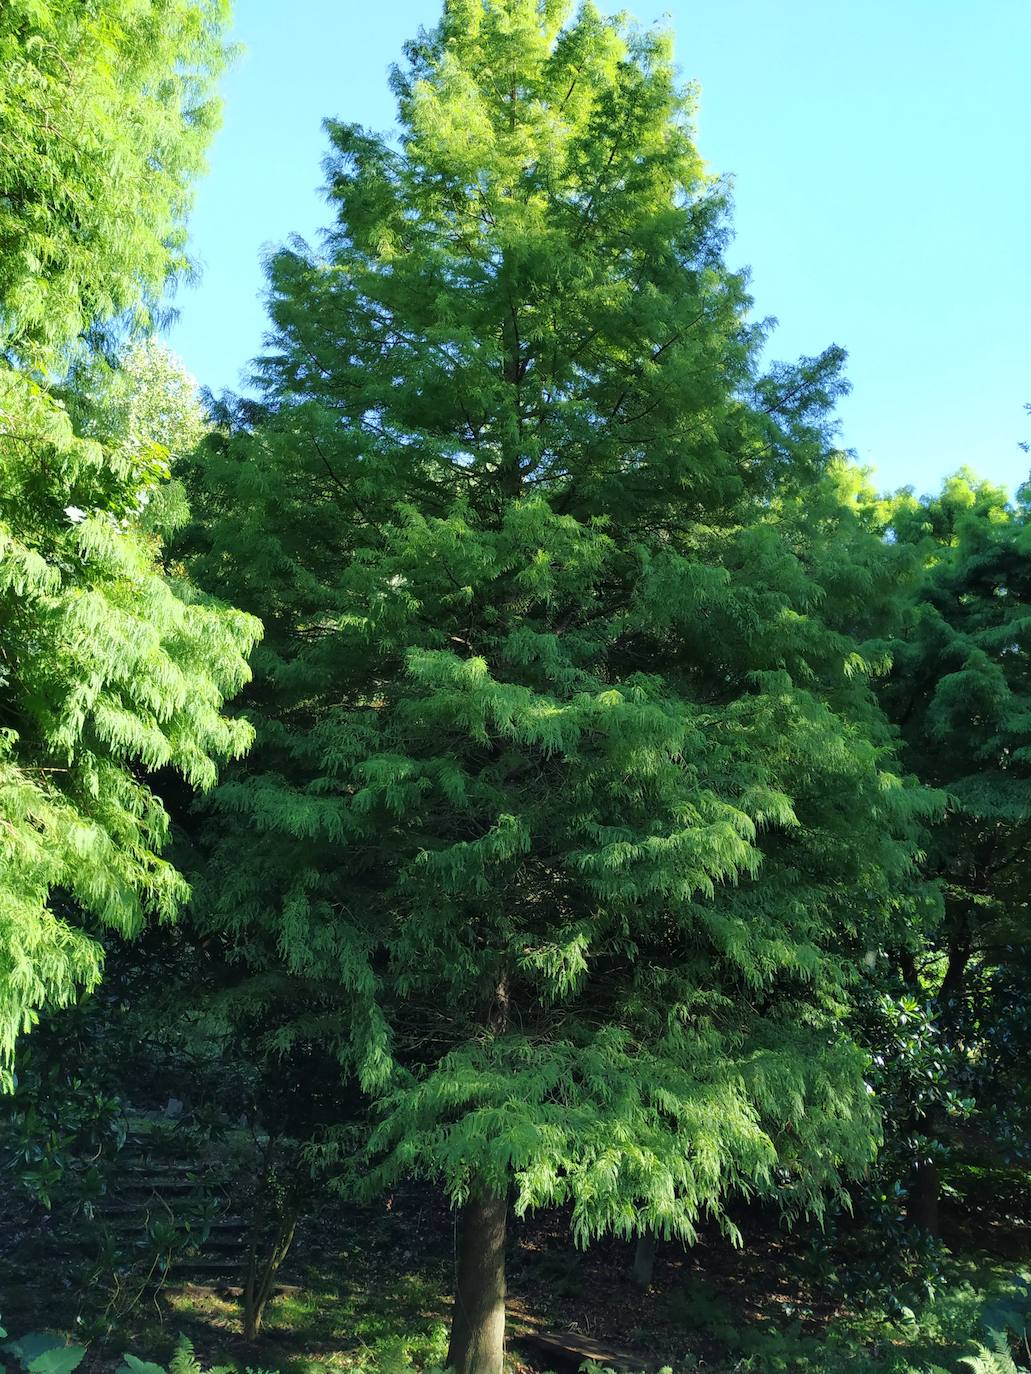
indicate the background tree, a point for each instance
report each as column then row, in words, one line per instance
column 561, row 778
column 108, row 667
column 960, row 694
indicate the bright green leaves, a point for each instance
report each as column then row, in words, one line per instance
column 109, row 670
column 47, row 1354
column 146, row 413
column 134, row 1365
column 633, row 1134
column 107, row 110
column 104, row 667
column 38, row 1353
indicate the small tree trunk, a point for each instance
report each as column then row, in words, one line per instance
column 644, row 1259
column 922, row 1209
column 261, row 1277
column 251, row 1319
column 478, row 1323
column 907, row 967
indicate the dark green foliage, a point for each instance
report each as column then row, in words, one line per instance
column 960, row 694
column 960, row 691
column 59, row 1129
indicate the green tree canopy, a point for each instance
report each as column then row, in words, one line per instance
column 109, row 668
column 960, row 694
column 569, row 784
column 106, row 109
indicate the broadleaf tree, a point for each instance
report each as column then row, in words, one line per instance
column 571, row 814
column 111, row 667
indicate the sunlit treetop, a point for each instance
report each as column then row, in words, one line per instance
column 532, row 283
column 106, row 110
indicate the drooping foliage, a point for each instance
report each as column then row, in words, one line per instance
column 106, row 109
column 109, row 669
column 569, row 784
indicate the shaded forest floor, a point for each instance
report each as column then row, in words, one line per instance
column 369, row 1290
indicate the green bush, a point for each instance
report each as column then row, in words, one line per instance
column 43, row 1353
column 994, row 1358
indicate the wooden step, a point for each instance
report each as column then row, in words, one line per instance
column 193, row 1169
column 161, row 1185
column 232, row 1244
column 230, row 1266
column 569, row 1349
column 226, row 1290
column 132, row 1221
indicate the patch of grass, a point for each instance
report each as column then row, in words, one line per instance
column 340, row 1318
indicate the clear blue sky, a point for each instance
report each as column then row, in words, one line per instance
column 881, row 157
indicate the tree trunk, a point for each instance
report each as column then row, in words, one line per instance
column 922, row 1208
column 478, row 1322
column 266, row 1256
column 955, row 970
column 644, row 1259
column 907, row 967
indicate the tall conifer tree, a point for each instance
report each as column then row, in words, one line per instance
column 109, row 668
column 570, row 814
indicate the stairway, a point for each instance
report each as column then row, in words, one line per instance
column 166, row 1204
column 171, row 1210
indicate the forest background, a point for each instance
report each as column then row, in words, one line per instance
column 509, row 760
